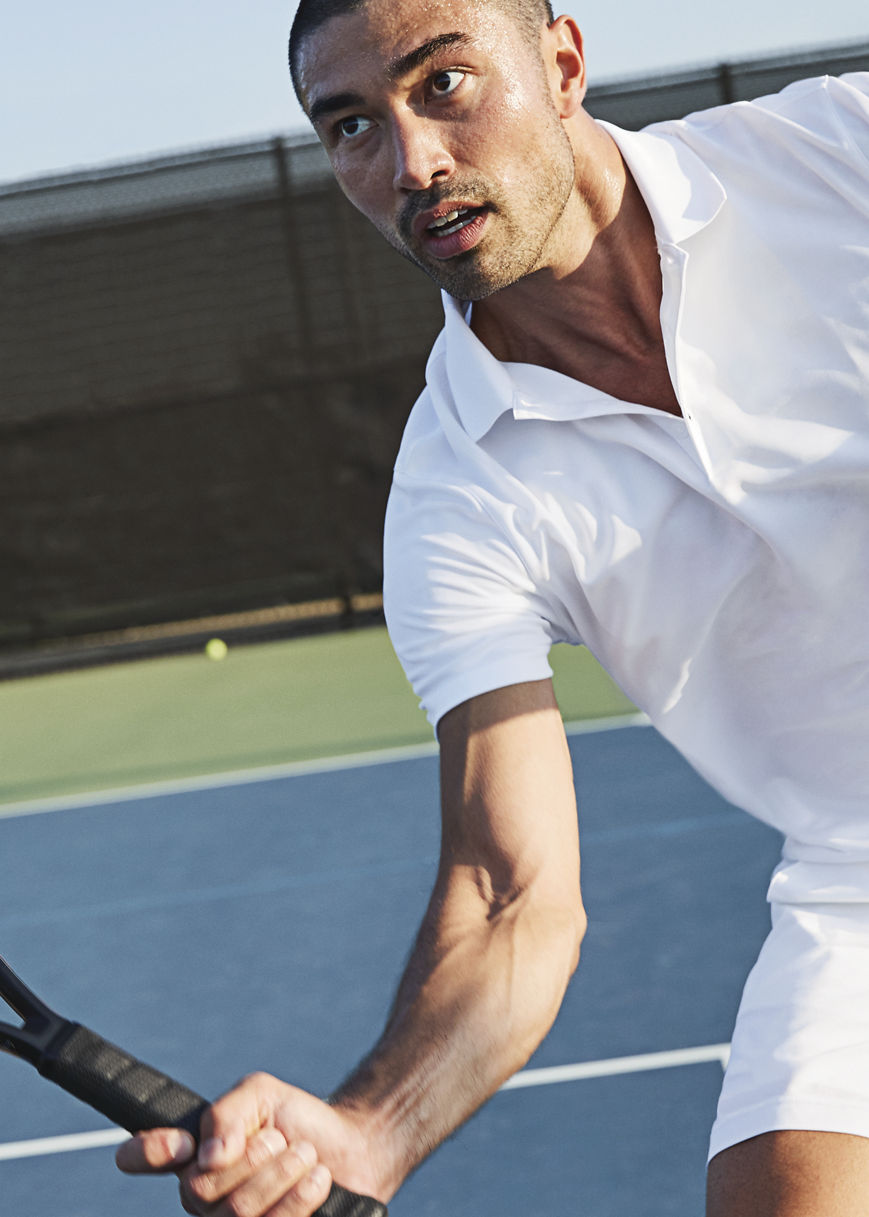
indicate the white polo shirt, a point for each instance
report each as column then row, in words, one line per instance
column 717, row 564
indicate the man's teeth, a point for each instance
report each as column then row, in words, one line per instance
column 450, row 219
column 453, row 221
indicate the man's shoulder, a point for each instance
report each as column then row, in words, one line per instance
column 827, row 114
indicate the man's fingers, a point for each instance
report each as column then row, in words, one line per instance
column 293, row 1185
column 307, row 1196
column 203, row 1189
column 156, row 1151
column 233, row 1119
column 289, row 1184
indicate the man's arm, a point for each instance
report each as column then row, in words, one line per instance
column 493, row 956
column 501, row 935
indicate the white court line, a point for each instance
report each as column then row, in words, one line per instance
column 620, row 1064
column 528, row 1077
column 62, row 1145
column 269, row 773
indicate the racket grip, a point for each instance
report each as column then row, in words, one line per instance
column 136, row 1097
column 130, row 1093
column 341, row 1203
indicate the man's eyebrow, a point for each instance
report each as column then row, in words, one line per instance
column 416, row 58
column 335, row 101
column 398, row 68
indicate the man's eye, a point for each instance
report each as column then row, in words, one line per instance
column 446, row 82
column 353, row 125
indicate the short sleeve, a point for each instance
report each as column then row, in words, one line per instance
column 463, row 613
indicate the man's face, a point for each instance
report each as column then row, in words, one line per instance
column 439, row 123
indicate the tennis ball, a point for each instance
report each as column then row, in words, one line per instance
column 216, row 648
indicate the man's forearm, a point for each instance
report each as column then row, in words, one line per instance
column 480, row 992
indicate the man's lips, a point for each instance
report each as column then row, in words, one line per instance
column 450, row 228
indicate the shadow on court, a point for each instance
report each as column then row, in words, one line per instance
column 263, row 926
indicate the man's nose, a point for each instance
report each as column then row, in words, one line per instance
column 420, row 156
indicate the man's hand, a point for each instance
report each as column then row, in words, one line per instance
column 257, row 1154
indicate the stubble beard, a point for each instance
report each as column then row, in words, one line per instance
column 522, row 230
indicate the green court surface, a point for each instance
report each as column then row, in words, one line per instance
column 266, row 704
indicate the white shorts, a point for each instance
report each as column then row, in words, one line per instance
column 800, row 1054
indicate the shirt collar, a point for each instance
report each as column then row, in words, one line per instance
column 683, row 196
column 480, row 384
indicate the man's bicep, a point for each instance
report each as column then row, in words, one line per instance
column 509, row 809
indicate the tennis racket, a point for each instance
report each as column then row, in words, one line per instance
column 124, row 1089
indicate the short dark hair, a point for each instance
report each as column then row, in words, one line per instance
column 311, row 14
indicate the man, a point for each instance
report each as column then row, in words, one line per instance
column 646, row 427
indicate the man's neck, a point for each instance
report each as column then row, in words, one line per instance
column 593, row 312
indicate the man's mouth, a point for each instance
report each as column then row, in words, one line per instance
column 452, row 229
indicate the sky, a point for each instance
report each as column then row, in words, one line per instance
column 86, row 83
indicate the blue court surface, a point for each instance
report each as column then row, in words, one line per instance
column 262, row 924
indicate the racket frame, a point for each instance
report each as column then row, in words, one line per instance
column 41, row 1025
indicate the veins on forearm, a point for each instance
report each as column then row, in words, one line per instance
column 472, row 1005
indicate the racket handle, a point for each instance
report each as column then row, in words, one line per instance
column 136, row 1097
column 341, row 1203
column 130, row 1093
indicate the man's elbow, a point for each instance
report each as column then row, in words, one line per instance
column 579, row 925
column 575, row 927
column 553, row 936
column 560, row 928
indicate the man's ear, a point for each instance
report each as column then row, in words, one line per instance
column 565, row 65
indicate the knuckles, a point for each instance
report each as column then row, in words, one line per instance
column 199, row 1189
column 258, row 1079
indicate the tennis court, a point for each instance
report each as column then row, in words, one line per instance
column 218, row 922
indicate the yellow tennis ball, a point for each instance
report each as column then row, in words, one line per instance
column 216, row 648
